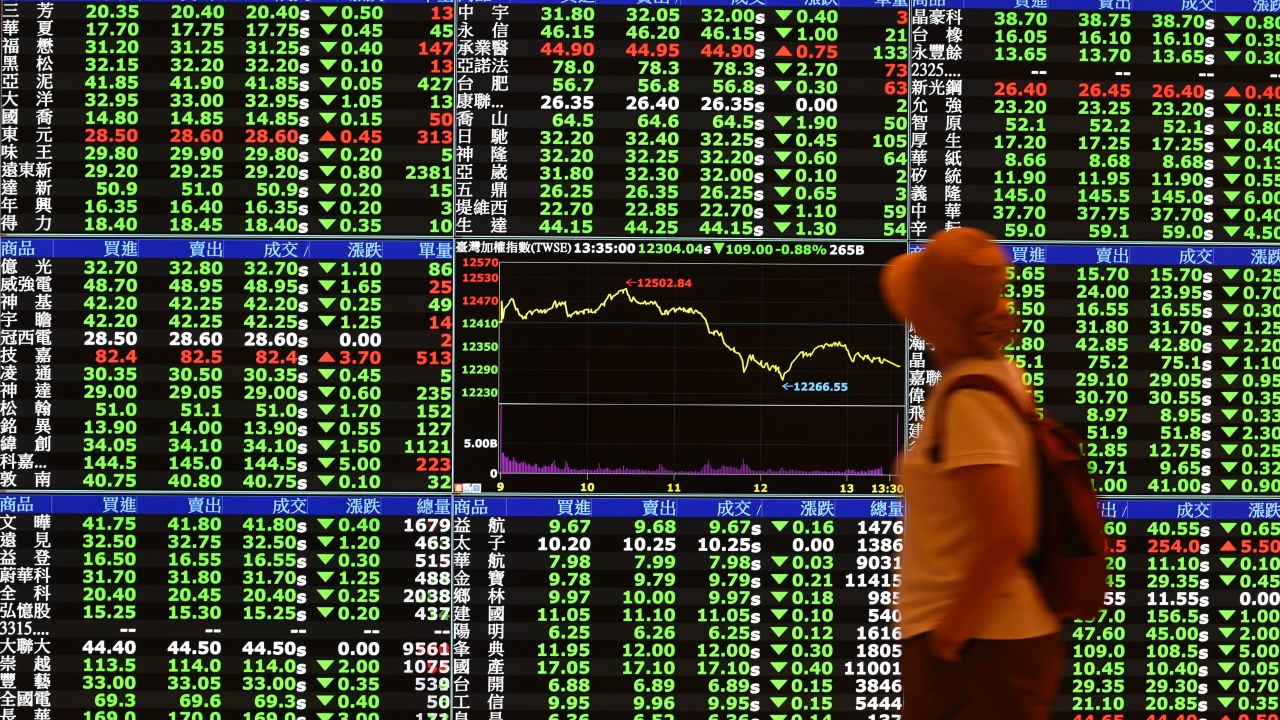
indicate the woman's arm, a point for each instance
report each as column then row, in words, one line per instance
column 990, row 496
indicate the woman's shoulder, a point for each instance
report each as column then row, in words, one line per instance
column 999, row 369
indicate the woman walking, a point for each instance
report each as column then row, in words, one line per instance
column 979, row 639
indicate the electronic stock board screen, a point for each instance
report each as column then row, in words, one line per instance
column 484, row 360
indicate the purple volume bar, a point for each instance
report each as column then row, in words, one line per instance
column 510, row 465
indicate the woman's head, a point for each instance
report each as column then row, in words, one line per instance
column 952, row 292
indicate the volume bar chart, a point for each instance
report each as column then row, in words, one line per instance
column 508, row 465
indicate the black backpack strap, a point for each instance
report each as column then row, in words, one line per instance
column 973, row 382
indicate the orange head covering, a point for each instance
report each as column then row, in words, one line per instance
column 953, row 292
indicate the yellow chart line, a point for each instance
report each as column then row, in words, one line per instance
column 745, row 360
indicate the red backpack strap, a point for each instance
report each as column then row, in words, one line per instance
column 975, row 382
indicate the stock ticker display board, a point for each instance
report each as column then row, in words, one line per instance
column 485, row 361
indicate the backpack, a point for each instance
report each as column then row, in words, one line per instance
column 1069, row 564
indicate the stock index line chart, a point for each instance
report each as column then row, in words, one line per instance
column 707, row 367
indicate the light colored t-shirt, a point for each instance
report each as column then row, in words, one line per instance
column 939, row 535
